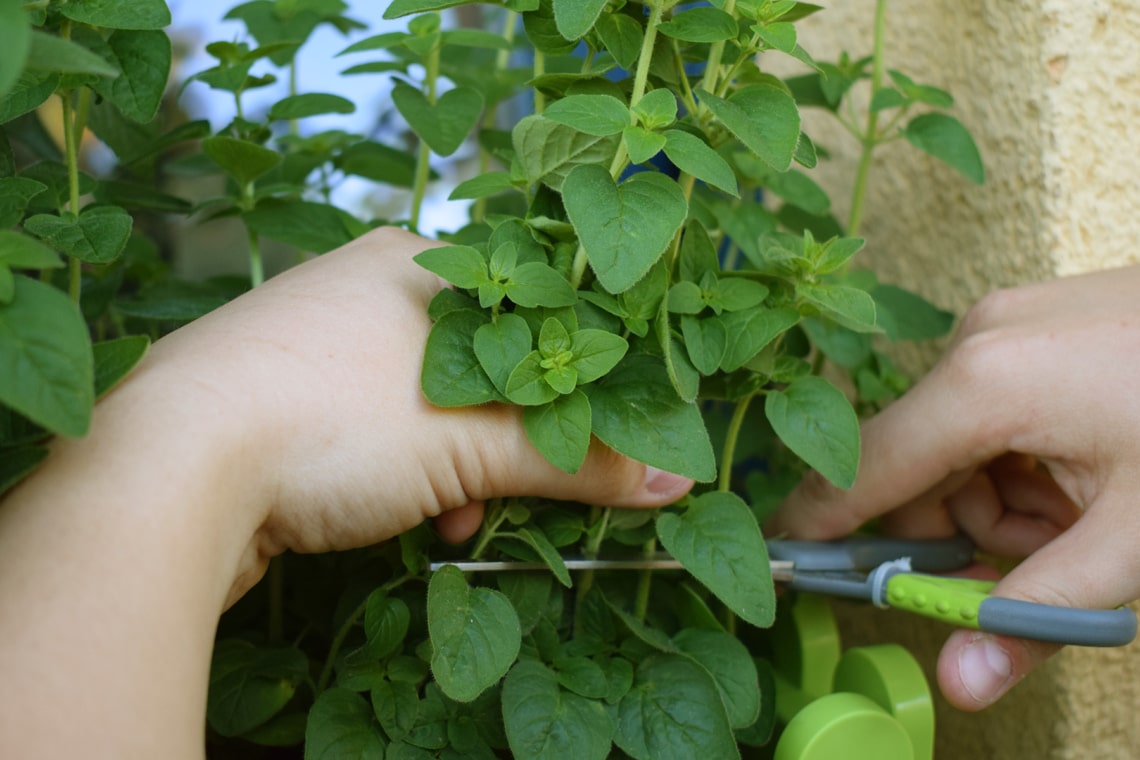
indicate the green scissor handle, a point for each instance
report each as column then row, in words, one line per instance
column 966, row 603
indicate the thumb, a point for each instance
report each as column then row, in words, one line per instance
column 1092, row 565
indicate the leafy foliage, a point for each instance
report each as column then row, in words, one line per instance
column 647, row 254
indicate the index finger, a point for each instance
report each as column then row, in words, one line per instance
column 955, row 419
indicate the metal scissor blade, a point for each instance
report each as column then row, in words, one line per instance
column 781, row 570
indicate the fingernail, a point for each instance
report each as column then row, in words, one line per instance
column 665, row 483
column 985, row 669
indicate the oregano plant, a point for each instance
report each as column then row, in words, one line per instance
column 646, row 261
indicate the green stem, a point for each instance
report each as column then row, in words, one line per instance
column 346, row 628
column 644, row 583
column 490, row 118
column 71, row 148
column 256, row 265
column 870, row 135
column 498, row 513
column 725, row 481
column 599, row 518
column 423, row 156
column 539, row 70
column 716, row 51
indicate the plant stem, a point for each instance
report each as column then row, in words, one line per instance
column 71, row 134
column 644, row 583
column 724, row 483
column 490, row 118
column 256, row 266
column 423, row 156
column 346, row 627
column 497, row 514
column 716, row 50
column 539, row 70
column 870, row 135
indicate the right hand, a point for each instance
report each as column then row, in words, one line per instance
column 1026, row 437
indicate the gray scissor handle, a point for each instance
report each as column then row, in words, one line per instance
column 867, row 552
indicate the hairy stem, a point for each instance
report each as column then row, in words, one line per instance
column 346, row 628
column 724, row 483
column 716, row 51
column 495, row 516
column 423, row 156
column 491, row 117
column 644, row 583
column 870, row 135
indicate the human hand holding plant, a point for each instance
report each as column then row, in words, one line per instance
column 1026, row 458
column 289, row 419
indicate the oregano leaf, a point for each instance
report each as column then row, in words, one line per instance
column 445, row 124
column 750, row 330
column 575, row 17
column 243, row 160
column 599, row 115
column 461, row 265
column 535, row 284
column 98, row 236
column 764, row 117
column 546, row 722
column 500, row 346
column 815, row 420
column 114, row 360
column 340, row 725
column 718, row 540
column 944, row 137
column 700, row 25
column 693, row 155
column 624, row 228
column 641, row 143
column 730, row 664
column 452, row 374
column 310, row 104
column 560, row 430
column 474, row 632
column 115, row 14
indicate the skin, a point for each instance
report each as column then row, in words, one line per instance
column 1024, row 437
column 290, row 419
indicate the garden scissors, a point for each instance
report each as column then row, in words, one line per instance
column 898, row 573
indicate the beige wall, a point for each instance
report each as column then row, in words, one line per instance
column 1051, row 91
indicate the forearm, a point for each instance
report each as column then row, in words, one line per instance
column 116, row 559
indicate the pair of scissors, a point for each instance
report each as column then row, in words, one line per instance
column 897, row 573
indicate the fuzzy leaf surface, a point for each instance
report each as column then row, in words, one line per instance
column 546, row 722
column 474, row 632
column 944, row 137
column 816, row 421
column 341, row 725
column 717, row 539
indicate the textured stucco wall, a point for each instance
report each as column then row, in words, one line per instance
column 1051, row 91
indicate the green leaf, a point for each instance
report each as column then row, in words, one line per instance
column 482, row 185
column 46, row 369
column 599, row 115
column 17, row 40
column 310, row 104
column 31, row 90
column 764, row 118
column 923, row 93
column 528, row 384
column 945, row 138
column 397, row 706
column 779, row 36
column 851, row 307
column 693, row 155
column 717, row 539
column 575, row 17
column 656, row 109
column 637, row 413
column 546, row 722
column 623, row 228
column 114, row 359
column 452, row 375
column 500, row 346
column 249, row 685
column 673, row 712
column 55, row 54
column 595, row 353
column 641, row 144
column 815, row 420
column 378, row 162
column 800, row 190
column 887, row 98
column 560, row 430
column 622, row 37
column 306, row 225
column 460, row 265
column 442, row 125
column 243, row 160
column 341, row 725
column 701, row 25
column 144, row 58
column 535, row 284
column 15, row 194
column 97, row 237
column 386, row 621
column 548, row 151
column 474, row 633
column 115, row 14
column 736, row 293
column 19, row 251
column 904, row 315
column 546, row 551
column 399, row 8
column 582, row 676
column 835, row 253
column 749, row 331
column 706, row 341
column 730, row 664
